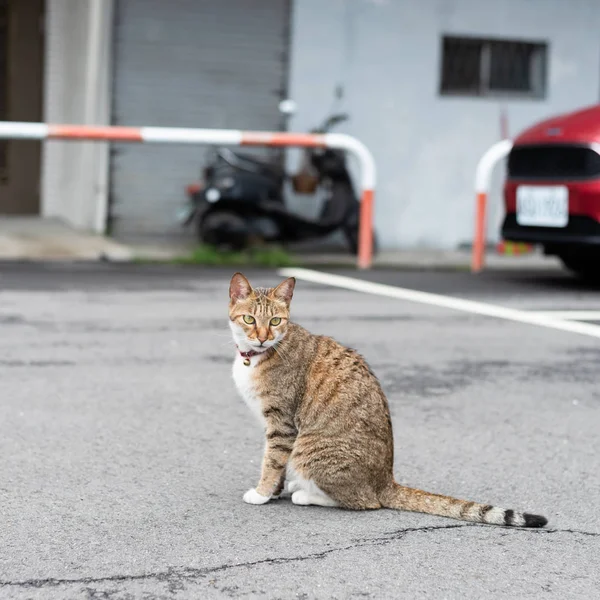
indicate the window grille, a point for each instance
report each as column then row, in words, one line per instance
column 490, row 67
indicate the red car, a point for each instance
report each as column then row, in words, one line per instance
column 552, row 190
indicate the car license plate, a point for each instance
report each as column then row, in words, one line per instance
column 543, row 206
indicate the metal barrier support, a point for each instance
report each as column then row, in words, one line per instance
column 483, row 179
column 223, row 137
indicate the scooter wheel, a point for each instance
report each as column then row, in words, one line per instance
column 224, row 230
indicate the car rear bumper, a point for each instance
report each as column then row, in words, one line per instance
column 583, row 228
column 580, row 231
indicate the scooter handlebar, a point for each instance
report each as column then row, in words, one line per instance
column 331, row 122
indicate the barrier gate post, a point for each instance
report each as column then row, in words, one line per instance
column 483, row 180
column 224, row 137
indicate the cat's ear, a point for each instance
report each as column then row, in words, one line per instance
column 239, row 288
column 285, row 290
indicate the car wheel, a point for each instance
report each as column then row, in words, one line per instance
column 585, row 266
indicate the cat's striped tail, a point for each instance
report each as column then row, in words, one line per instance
column 403, row 498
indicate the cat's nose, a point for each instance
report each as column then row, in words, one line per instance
column 262, row 339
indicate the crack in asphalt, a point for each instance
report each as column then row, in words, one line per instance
column 183, row 573
column 575, row 531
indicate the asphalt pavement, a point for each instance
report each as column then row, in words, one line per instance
column 125, row 450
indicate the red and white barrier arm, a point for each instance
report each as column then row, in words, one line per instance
column 223, row 137
column 483, row 180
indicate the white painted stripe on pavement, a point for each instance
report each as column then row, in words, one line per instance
column 469, row 306
column 569, row 315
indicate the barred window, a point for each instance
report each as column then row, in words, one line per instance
column 480, row 67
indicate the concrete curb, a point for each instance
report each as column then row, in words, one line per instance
column 39, row 240
column 34, row 239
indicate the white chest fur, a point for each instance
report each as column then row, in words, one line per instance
column 243, row 376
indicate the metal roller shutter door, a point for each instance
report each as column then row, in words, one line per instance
column 188, row 63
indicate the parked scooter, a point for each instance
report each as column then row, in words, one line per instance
column 241, row 200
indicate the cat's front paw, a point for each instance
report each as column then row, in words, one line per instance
column 253, row 497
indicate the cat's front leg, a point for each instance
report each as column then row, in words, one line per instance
column 280, row 487
column 286, row 486
column 281, row 436
column 252, row 496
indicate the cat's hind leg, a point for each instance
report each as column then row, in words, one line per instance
column 304, row 498
column 329, row 479
column 306, row 492
column 292, row 486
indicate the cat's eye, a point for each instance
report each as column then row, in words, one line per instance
column 248, row 319
column 275, row 321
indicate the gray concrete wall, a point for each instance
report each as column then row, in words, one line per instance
column 387, row 53
column 77, row 90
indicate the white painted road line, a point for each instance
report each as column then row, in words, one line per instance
column 569, row 315
column 469, row 306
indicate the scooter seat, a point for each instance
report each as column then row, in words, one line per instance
column 251, row 163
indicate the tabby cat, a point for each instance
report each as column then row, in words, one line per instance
column 326, row 419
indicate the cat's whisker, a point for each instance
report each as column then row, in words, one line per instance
column 225, row 345
column 278, row 350
column 225, row 342
column 222, row 334
column 283, row 352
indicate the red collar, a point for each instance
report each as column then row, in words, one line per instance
column 249, row 354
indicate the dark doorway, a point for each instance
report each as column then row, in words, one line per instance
column 21, row 88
